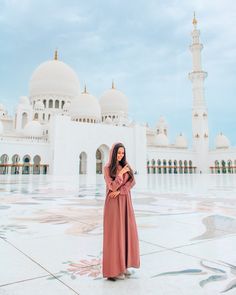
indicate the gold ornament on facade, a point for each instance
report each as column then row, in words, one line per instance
column 56, row 55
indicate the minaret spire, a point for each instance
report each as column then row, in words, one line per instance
column 194, row 20
column 197, row 76
column 199, row 111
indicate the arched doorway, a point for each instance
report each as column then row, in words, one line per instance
column 36, row 167
column 101, row 158
column 26, row 165
column 15, row 164
column 83, row 163
column 4, row 164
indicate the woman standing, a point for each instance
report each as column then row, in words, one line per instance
column 120, row 236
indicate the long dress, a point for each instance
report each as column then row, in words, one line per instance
column 120, row 236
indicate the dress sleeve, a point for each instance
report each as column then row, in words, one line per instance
column 113, row 185
column 128, row 185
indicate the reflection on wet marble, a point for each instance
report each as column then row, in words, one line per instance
column 51, row 235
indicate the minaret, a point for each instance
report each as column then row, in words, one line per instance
column 199, row 111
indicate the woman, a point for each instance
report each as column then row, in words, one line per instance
column 120, row 236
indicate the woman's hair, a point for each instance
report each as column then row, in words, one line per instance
column 122, row 162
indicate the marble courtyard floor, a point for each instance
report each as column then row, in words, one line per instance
column 51, row 236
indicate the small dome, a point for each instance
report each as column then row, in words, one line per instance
column 114, row 101
column 54, row 77
column 161, row 140
column 181, row 141
column 85, row 106
column 24, row 100
column 33, row 129
column 66, row 106
column 222, row 141
column 39, row 106
column 1, row 128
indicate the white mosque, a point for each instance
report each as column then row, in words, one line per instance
column 61, row 131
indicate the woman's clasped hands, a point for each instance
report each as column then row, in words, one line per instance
column 122, row 171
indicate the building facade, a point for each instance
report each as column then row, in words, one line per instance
column 61, row 131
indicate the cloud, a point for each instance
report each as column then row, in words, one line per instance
column 143, row 45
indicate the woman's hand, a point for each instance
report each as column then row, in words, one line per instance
column 114, row 194
column 124, row 169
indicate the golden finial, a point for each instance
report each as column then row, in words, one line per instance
column 56, row 55
column 194, row 19
column 113, row 84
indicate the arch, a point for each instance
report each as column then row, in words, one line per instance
column 148, row 168
column 175, row 167
column 102, row 153
column 4, row 164
column 50, row 104
column 26, row 165
column 62, row 104
column 190, row 163
column 15, row 164
column 185, row 166
column 36, row 165
column 217, row 166
column 229, row 168
column 170, row 167
column 57, row 104
column 36, row 116
column 159, row 166
column 180, row 167
column 164, row 166
column 45, row 102
column 83, row 163
column 153, row 166
column 223, row 164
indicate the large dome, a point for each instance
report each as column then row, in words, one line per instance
column 85, row 106
column 114, row 101
column 54, row 77
column 222, row 141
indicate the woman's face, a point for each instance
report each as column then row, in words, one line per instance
column 120, row 153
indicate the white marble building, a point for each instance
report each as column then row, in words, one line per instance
column 61, row 131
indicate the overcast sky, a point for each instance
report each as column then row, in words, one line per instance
column 142, row 45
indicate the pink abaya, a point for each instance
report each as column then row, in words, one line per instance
column 120, row 236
